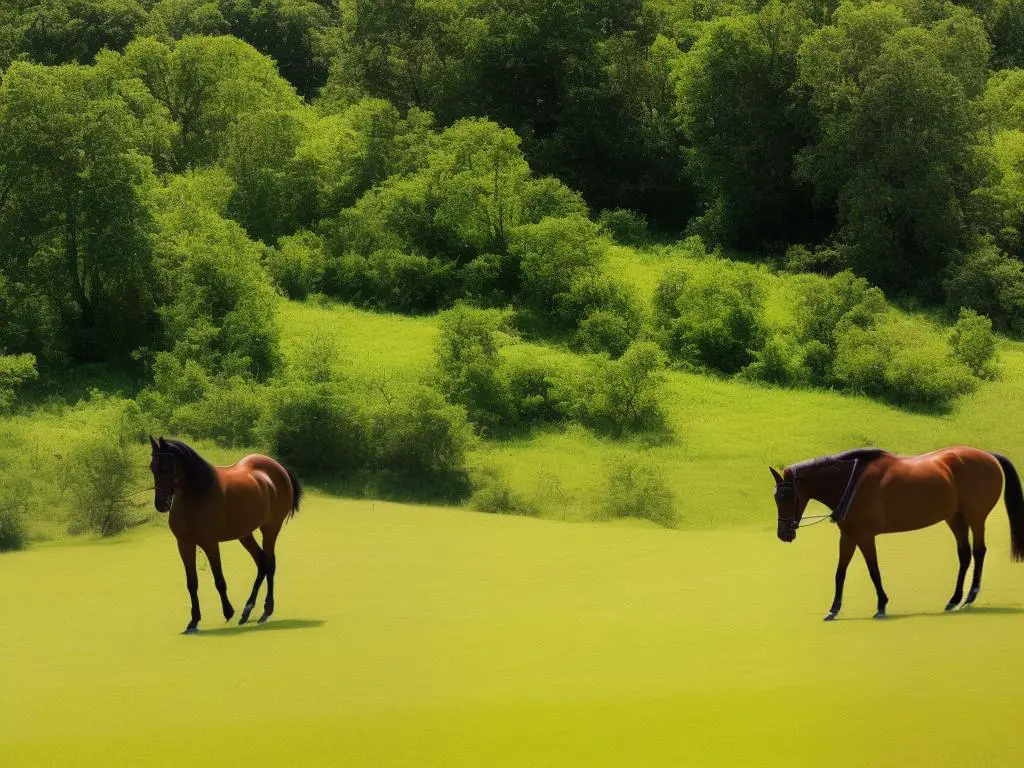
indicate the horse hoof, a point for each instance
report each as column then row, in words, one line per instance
column 190, row 630
column 262, row 619
column 951, row 606
column 879, row 615
column 830, row 616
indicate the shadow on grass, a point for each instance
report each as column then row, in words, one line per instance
column 991, row 610
column 269, row 626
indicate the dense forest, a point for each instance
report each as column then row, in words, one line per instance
column 168, row 168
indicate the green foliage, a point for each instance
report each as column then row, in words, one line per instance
column 989, row 282
column 624, row 226
column 15, row 370
column 419, row 446
column 12, row 526
column 69, row 31
column 220, row 306
column 740, row 73
column 102, row 471
column 468, row 361
column 298, row 264
column 894, row 145
column 712, row 315
column 389, row 280
column 637, row 488
column 317, row 428
column 972, row 343
column 623, row 396
column 494, row 494
column 75, row 178
column 206, row 85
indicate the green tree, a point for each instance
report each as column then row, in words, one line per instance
column 894, row 147
column 68, row 31
column 75, row 180
column 737, row 76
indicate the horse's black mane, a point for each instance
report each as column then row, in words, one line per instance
column 199, row 473
column 864, row 455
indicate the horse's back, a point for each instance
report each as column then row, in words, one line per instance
column 259, row 492
column 918, row 491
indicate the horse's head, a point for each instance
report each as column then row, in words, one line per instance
column 788, row 505
column 164, row 466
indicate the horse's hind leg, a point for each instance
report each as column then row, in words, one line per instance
column 958, row 525
column 978, row 533
column 867, row 548
column 249, row 542
column 212, row 551
column 270, row 532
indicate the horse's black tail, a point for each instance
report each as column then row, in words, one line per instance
column 1014, row 498
column 296, row 492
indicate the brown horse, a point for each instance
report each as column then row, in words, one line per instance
column 871, row 491
column 208, row 505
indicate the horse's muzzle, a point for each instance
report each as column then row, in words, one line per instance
column 163, row 502
column 787, row 531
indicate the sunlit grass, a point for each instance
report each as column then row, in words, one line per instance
column 417, row 636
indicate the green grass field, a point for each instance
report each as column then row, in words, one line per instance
column 420, row 636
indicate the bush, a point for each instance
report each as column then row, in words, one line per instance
column 390, row 280
column 626, row 227
column 15, row 370
column 101, row 471
column 711, row 316
column 419, row 445
column 989, row 282
column 317, row 429
column 297, row 265
column 604, row 330
column 825, row 261
column 493, row 493
column 12, row 525
column 530, row 384
column 782, row 360
column 468, row 362
column 972, row 343
column 637, row 488
column 592, row 292
column 227, row 413
column 898, row 362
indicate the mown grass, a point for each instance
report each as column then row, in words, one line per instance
column 429, row 637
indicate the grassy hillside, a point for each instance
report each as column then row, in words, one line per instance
column 420, row 636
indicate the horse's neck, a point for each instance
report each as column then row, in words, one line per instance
column 823, row 485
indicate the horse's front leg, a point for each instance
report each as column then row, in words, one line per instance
column 212, row 550
column 846, row 549
column 867, row 548
column 187, row 550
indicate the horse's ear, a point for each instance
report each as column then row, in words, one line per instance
column 152, row 443
column 776, row 475
column 163, row 443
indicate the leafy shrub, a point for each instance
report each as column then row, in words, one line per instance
column 318, row 429
column 712, row 315
column 972, row 343
column 15, row 370
column 12, row 525
column 486, row 280
column 530, row 383
column 468, row 362
column 552, row 256
column 493, row 493
column 626, row 227
column 782, row 360
column 101, row 471
column 989, row 282
column 604, row 330
column 297, row 265
column 898, row 362
column 616, row 396
column 822, row 260
column 637, row 488
column 419, row 444
column 227, row 413
column 393, row 281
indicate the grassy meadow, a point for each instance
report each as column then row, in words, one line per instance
column 423, row 636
